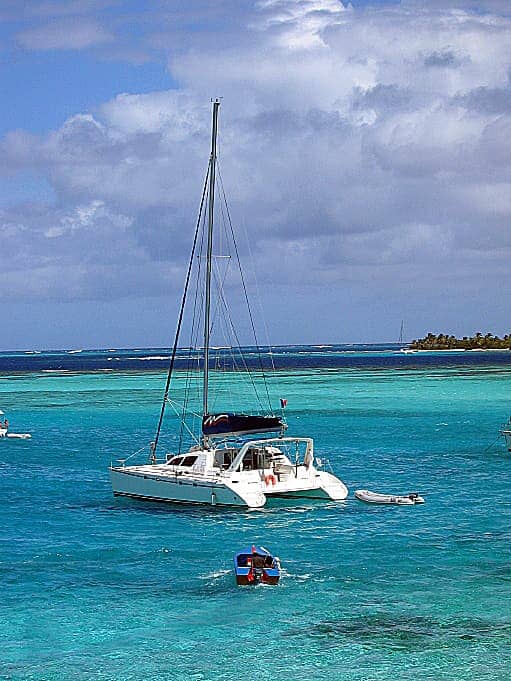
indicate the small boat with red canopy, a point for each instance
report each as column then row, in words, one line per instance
column 256, row 565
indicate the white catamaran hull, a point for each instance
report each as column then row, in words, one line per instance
column 321, row 486
column 157, row 483
column 151, row 486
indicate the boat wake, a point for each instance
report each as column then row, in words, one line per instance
column 218, row 574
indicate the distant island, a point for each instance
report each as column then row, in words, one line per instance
column 443, row 341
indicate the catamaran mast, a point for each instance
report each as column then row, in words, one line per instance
column 207, row 302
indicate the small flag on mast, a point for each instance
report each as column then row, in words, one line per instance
column 283, row 403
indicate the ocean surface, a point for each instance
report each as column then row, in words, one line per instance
column 98, row 588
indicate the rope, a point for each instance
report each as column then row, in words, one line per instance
column 235, row 336
column 194, row 332
column 180, row 320
column 172, row 406
column 493, row 443
column 134, row 453
column 244, row 287
column 259, row 300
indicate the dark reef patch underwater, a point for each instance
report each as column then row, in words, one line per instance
column 407, row 632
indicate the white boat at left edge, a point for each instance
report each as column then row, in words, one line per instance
column 4, row 430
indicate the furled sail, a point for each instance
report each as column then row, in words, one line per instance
column 216, row 425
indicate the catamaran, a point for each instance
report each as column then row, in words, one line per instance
column 222, row 466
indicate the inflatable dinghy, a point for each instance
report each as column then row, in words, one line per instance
column 19, row 436
column 400, row 499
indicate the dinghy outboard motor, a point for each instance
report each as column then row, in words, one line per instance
column 257, row 567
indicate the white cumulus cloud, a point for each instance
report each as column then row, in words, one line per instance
column 349, row 138
column 65, row 34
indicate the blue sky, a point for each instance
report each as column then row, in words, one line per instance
column 366, row 149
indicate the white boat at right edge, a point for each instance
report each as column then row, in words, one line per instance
column 506, row 433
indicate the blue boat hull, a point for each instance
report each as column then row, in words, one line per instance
column 256, row 565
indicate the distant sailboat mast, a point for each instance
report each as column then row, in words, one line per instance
column 401, row 332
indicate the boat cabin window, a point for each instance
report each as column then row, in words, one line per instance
column 225, row 457
column 255, row 459
column 258, row 458
column 175, row 461
column 189, row 460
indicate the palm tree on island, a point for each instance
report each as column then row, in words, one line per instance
column 448, row 342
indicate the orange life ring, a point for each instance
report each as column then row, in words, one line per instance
column 270, row 479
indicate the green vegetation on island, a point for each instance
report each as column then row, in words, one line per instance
column 443, row 341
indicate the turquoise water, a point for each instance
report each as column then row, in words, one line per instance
column 94, row 587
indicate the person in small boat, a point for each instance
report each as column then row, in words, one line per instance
column 257, row 561
column 6, row 424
